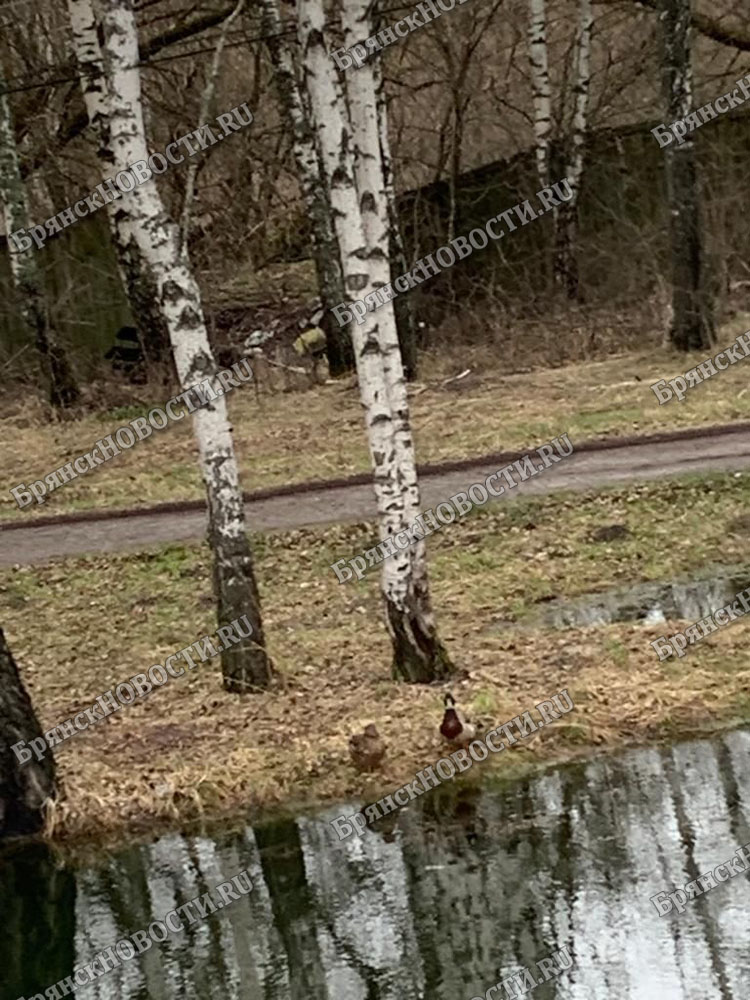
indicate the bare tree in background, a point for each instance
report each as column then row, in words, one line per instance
column 61, row 389
column 203, row 115
column 692, row 319
column 154, row 248
column 360, row 210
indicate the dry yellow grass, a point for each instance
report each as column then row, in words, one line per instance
column 191, row 752
column 318, row 433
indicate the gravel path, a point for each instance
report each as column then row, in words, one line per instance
column 591, row 464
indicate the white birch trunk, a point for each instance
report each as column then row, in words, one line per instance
column 154, row 243
column 418, row 655
column 368, row 124
column 540, row 84
column 60, row 386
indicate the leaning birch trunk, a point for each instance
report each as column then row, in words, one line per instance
column 369, row 125
column 156, row 242
column 60, row 385
column 418, row 655
column 692, row 324
column 403, row 304
column 325, row 247
column 566, row 259
column 25, row 788
column 137, row 281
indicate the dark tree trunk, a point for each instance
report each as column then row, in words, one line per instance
column 325, row 246
column 692, row 321
column 24, row 788
column 153, row 334
column 403, row 305
column 419, row 657
column 246, row 666
column 61, row 388
column 566, row 258
column 331, row 286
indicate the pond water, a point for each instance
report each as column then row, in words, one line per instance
column 464, row 887
column 650, row 603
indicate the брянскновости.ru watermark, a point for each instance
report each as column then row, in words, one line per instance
column 135, row 944
column 139, row 686
column 137, row 173
column 457, row 249
column 459, row 504
column 461, row 759
column 135, row 430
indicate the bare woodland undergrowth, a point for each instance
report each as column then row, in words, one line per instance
column 508, row 400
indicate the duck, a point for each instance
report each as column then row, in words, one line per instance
column 367, row 748
column 455, row 728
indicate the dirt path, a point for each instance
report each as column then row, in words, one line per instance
column 592, row 464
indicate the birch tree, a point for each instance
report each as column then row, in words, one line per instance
column 325, row 246
column 148, row 243
column 61, row 389
column 363, row 239
column 566, row 259
column 692, row 319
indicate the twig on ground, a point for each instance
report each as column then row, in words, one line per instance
column 445, row 381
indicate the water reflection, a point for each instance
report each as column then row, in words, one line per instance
column 467, row 887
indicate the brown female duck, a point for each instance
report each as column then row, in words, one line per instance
column 367, row 748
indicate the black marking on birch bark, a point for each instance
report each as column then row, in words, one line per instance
column 370, row 346
column 189, row 318
column 201, row 365
column 356, row 282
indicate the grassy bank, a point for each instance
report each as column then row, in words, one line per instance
column 190, row 751
column 318, row 434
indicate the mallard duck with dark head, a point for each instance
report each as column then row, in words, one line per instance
column 455, row 728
